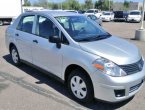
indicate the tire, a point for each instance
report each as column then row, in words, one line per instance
column 82, row 92
column 15, row 56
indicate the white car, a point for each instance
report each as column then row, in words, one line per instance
column 107, row 16
column 96, row 12
column 134, row 16
column 73, row 11
column 94, row 18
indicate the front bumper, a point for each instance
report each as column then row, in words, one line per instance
column 106, row 19
column 116, row 89
column 133, row 19
column 119, row 19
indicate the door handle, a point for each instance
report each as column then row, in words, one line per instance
column 17, row 34
column 35, row 41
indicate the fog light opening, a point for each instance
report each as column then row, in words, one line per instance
column 119, row 93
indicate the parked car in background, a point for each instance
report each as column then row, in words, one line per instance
column 134, row 16
column 144, row 15
column 107, row 16
column 94, row 18
column 79, row 52
column 96, row 12
column 120, row 16
column 74, row 11
column 81, row 11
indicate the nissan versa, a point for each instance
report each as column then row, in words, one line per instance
column 92, row 62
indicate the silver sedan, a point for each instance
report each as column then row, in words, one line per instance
column 69, row 46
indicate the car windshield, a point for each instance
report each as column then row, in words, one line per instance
column 106, row 13
column 134, row 13
column 90, row 11
column 81, row 28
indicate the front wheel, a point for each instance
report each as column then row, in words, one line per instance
column 80, row 86
column 15, row 56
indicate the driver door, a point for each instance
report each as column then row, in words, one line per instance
column 45, row 54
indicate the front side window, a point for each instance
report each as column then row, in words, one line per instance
column 26, row 24
column 46, row 28
column 80, row 28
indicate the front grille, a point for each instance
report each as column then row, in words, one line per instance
column 133, row 68
column 134, row 88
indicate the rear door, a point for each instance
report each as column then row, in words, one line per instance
column 23, row 35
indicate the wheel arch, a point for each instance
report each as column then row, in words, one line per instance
column 70, row 68
column 11, row 45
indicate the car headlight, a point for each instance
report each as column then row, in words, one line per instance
column 108, row 67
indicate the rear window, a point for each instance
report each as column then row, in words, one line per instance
column 119, row 14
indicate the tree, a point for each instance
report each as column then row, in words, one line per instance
column 99, row 4
column 27, row 3
column 104, row 4
column 55, row 6
column 73, row 5
column 88, row 4
column 42, row 3
column 126, row 4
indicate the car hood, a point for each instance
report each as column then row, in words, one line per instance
column 115, row 49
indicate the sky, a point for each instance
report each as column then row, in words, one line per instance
column 81, row 1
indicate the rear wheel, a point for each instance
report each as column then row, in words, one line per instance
column 15, row 56
column 80, row 86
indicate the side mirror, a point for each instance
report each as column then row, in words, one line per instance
column 55, row 39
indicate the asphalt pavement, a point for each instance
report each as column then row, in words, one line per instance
column 26, row 88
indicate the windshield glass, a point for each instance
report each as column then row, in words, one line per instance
column 80, row 28
column 90, row 11
column 134, row 13
column 106, row 13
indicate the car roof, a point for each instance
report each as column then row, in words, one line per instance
column 54, row 13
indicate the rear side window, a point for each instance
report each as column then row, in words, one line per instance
column 26, row 24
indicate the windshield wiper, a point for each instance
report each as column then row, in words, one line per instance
column 94, row 38
column 104, row 36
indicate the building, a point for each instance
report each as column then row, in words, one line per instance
column 32, row 8
column 135, row 6
column 132, row 6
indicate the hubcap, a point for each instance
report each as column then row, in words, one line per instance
column 15, row 56
column 78, row 87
